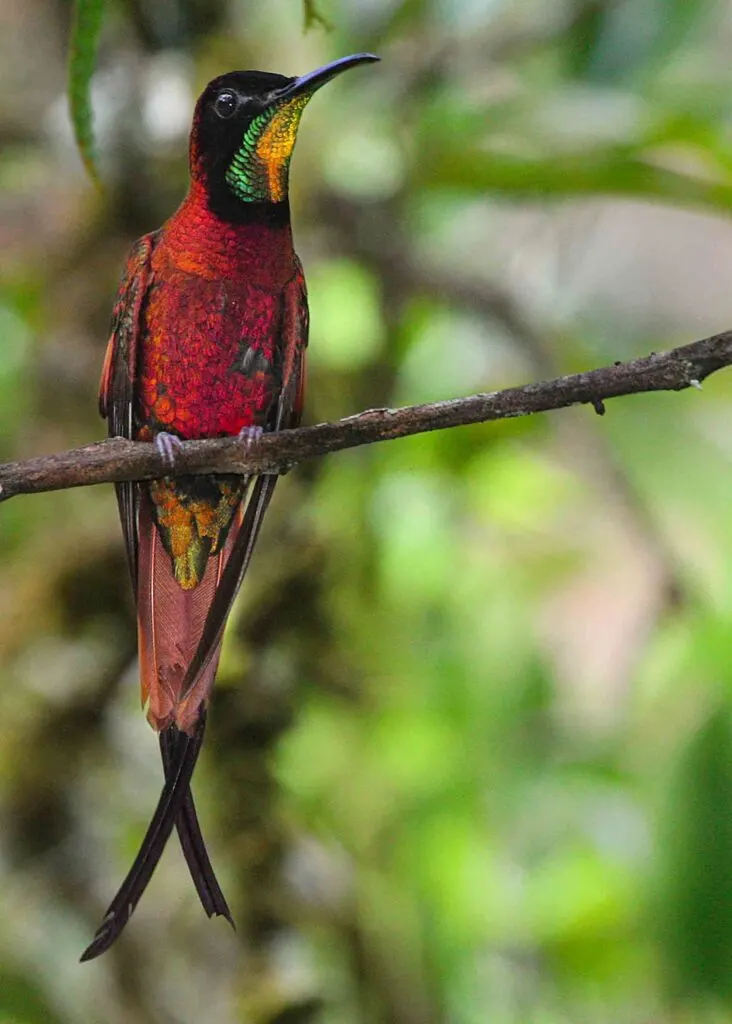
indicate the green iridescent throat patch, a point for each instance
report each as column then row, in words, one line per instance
column 258, row 172
column 248, row 180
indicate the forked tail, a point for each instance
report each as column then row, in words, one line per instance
column 183, row 751
column 192, row 843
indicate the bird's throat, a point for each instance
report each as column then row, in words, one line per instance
column 249, row 241
column 260, row 169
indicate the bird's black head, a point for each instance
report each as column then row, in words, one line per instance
column 245, row 127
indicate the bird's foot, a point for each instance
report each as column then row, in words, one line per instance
column 250, row 434
column 168, row 446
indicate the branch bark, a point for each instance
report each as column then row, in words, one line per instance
column 117, row 459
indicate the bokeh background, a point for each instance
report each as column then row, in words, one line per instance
column 470, row 756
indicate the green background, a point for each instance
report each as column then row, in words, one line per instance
column 470, row 754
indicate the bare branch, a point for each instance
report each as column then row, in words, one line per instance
column 117, row 459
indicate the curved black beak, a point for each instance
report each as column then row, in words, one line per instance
column 315, row 79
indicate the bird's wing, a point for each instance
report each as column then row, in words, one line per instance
column 117, row 386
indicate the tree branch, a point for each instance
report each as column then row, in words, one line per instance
column 117, row 459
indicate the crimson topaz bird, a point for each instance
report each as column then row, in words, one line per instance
column 208, row 339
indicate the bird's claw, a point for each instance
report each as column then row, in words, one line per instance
column 167, row 446
column 250, row 434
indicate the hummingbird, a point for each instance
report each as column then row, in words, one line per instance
column 208, row 339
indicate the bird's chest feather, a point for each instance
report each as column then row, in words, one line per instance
column 210, row 359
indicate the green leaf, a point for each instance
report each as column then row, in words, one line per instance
column 87, row 24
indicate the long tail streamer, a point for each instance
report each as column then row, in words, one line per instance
column 209, row 891
column 183, row 751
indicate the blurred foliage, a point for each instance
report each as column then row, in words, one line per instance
column 470, row 754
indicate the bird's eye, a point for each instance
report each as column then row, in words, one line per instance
column 225, row 104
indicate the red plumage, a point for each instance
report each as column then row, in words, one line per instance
column 201, row 355
column 208, row 339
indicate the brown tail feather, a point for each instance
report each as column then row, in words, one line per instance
column 180, row 634
column 192, row 843
column 170, row 624
column 193, row 687
column 185, row 751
